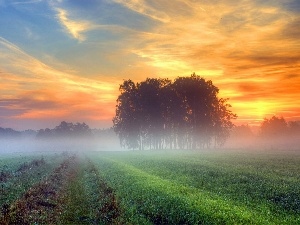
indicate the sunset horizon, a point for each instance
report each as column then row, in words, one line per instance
column 64, row 60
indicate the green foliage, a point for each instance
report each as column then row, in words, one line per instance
column 160, row 187
column 87, row 199
column 219, row 188
column 22, row 174
column 159, row 113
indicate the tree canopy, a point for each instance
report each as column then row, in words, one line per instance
column 159, row 113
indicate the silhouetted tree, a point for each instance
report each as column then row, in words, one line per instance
column 157, row 113
column 63, row 129
column 150, row 98
column 222, row 124
column 273, row 127
column 127, row 122
column 172, row 114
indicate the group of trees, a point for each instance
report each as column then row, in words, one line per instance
column 65, row 129
column 277, row 127
column 273, row 133
column 9, row 133
column 159, row 113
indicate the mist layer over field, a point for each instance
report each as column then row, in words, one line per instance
column 12, row 146
column 111, row 142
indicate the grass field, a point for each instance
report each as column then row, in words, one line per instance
column 151, row 187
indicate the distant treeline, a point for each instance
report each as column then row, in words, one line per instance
column 63, row 130
column 272, row 128
column 11, row 133
column 279, row 127
column 273, row 133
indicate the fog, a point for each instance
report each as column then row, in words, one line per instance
column 64, row 137
column 112, row 143
column 16, row 146
column 23, row 145
column 255, row 142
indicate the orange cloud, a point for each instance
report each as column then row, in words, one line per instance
column 36, row 90
column 73, row 27
column 250, row 51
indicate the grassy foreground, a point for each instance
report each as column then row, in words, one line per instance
column 187, row 187
column 151, row 187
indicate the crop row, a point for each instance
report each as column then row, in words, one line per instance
column 18, row 174
column 88, row 199
column 39, row 201
column 197, row 188
column 249, row 180
column 71, row 193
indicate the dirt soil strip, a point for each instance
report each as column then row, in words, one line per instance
column 108, row 210
column 42, row 203
column 89, row 199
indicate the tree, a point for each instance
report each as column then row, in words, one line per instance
column 172, row 114
column 197, row 99
column 206, row 116
column 63, row 129
column 127, row 123
column 273, row 127
column 157, row 113
column 151, row 104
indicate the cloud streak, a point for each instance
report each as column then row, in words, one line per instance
column 233, row 44
column 76, row 28
column 141, row 6
column 36, row 90
column 249, row 49
column 27, row 2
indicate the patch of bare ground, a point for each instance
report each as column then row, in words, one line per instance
column 42, row 203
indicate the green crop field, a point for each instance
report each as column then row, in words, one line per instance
column 151, row 187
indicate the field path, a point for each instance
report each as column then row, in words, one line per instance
column 18, row 175
column 42, row 203
column 74, row 193
column 89, row 200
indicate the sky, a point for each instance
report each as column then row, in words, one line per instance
column 63, row 60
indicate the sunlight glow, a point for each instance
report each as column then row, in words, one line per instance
column 70, row 59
